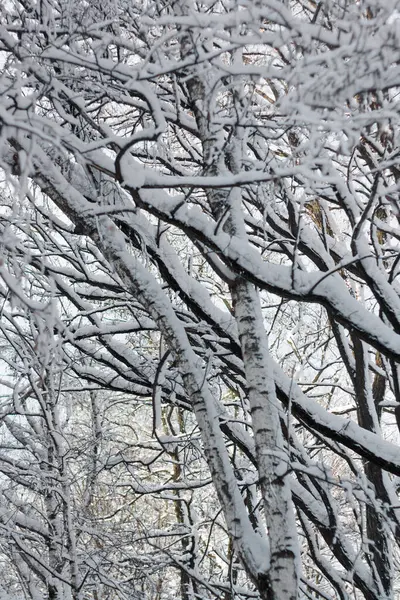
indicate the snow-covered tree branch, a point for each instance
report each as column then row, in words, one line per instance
column 200, row 308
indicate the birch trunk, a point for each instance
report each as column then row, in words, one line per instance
column 272, row 458
column 273, row 461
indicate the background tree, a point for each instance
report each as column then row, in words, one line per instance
column 200, row 316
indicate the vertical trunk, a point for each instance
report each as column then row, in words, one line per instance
column 54, row 587
column 282, row 580
column 272, row 458
column 59, row 501
column 187, row 585
column 376, row 528
column 52, row 520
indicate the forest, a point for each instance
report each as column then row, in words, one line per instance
column 199, row 300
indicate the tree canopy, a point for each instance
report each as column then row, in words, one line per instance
column 200, row 306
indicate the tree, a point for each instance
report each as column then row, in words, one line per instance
column 201, row 313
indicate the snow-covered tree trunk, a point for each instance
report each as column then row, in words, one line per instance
column 272, row 456
column 273, row 460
